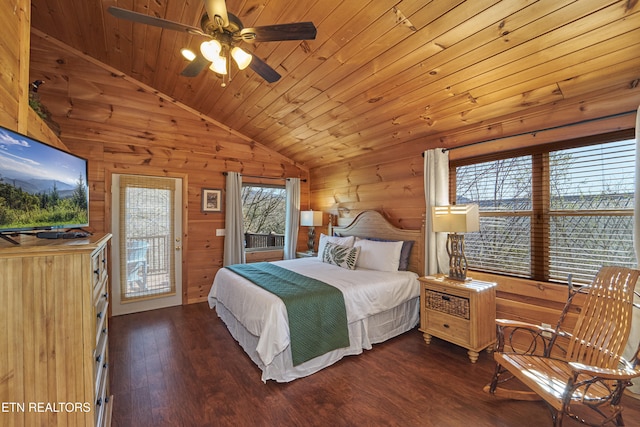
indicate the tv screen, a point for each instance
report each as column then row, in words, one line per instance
column 41, row 187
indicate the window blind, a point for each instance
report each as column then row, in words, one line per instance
column 552, row 213
column 146, row 237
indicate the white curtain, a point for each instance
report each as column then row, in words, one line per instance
column 634, row 338
column 436, row 193
column 292, row 217
column 234, row 228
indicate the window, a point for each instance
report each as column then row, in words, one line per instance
column 263, row 210
column 549, row 213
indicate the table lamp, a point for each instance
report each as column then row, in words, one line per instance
column 456, row 219
column 311, row 219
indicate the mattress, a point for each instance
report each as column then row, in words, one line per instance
column 380, row 305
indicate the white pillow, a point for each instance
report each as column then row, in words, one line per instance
column 343, row 241
column 381, row 256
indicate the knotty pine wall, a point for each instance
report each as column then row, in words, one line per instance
column 15, row 113
column 122, row 126
column 392, row 180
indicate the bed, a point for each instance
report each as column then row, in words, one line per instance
column 379, row 304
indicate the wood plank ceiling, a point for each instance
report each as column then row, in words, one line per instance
column 379, row 73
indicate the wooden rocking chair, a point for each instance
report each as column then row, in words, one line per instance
column 580, row 370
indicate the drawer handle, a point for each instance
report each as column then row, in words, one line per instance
column 446, row 297
column 106, row 295
column 97, row 271
column 105, row 365
column 104, row 261
column 99, row 358
column 99, row 315
column 99, row 402
column 104, row 330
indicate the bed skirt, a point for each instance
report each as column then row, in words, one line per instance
column 362, row 335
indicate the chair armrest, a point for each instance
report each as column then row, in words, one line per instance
column 507, row 323
column 605, row 373
column 541, row 338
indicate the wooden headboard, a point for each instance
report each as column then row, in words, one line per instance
column 373, row 224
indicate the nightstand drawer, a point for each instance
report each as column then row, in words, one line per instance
column 448, row 327
column 463, row 313
column 447, row 303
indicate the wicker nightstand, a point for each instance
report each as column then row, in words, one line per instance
column 463, row 313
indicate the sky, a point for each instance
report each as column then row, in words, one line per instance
column 24, row 158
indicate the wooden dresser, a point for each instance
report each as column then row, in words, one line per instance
column 463, row 313
column 53, row 332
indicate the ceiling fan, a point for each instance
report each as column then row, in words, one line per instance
column 224, row 31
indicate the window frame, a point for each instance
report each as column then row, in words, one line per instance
column 260, row 184
column 541, row 212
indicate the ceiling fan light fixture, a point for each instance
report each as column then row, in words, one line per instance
column 219, row 65
column 242, row 58
column 188, row 54
column 211, row 50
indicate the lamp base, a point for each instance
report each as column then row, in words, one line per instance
column 457, row 259
column 311, row 239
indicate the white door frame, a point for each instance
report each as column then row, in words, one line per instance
column 152, row 303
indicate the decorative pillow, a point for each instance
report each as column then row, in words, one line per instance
column 405, row 253
column 344, row 241
column 342, row 256
column 381, row 256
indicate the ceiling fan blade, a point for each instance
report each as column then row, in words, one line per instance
column 264, row 70
column 279, row 32
column 217, row 8
column 152, row 20
column 195, row 67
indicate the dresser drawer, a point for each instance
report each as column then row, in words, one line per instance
column 100, row 310
column 448, row 327
column 99, row 266
column 100, row 358
column 102, row 399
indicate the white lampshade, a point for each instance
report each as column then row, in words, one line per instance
column 242, row 58
column 311, row 218
column 456, row 218
column 211, row 49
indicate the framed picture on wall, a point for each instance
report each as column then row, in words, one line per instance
column 211, row 200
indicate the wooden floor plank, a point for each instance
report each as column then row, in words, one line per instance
column 180, row 367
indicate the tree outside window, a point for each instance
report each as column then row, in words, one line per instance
column 263, row 210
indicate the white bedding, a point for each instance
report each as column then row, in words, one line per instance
column 263, row 315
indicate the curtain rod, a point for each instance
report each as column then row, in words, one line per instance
column 444, row 150
column 263, row 177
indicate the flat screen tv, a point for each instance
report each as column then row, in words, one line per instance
column 41, row 187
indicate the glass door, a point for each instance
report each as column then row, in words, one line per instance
column 146, row 218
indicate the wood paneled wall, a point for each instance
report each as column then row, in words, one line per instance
column 123, row 126
column 392, row 180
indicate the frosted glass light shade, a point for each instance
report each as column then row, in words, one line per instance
column 188, row 54
column 211, row 49
column 219, row 65
column 242, row 58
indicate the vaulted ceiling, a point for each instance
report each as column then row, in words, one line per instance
column 379, row 73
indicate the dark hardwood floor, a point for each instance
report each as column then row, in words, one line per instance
column 180, row 367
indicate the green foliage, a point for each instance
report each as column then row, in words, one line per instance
column 19, row 209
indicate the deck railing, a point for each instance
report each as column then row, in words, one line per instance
column 156, row 255
column 259, row 241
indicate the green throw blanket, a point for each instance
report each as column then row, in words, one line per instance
column 316, row 310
